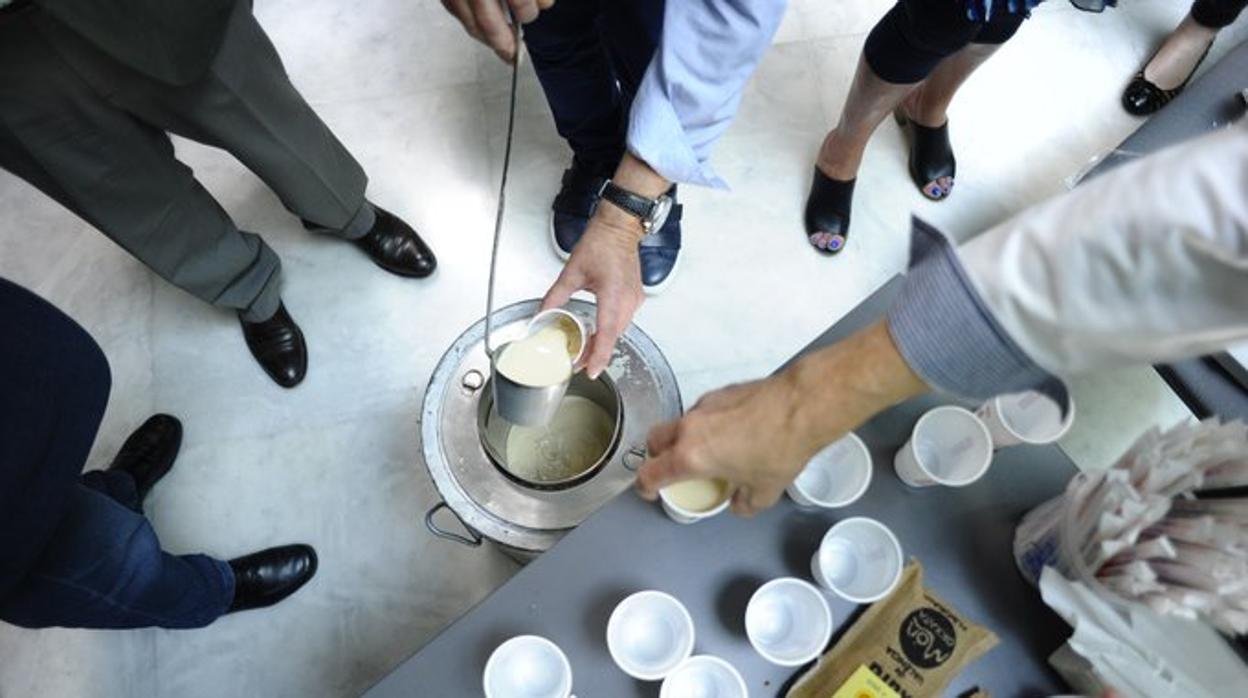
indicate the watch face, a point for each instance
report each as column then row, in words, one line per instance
column 658, row 214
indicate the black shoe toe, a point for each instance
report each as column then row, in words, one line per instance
column 148, row 454
column 396, row 247
column 279, row 347
column 264, row 578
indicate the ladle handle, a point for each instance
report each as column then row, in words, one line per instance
column 472, row 540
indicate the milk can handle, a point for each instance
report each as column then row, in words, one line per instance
column 472, row 542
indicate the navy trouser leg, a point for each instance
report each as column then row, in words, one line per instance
column 77, row 552
column 590, row 56
column 104, row 568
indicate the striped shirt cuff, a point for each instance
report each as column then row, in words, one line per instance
column 948, row 335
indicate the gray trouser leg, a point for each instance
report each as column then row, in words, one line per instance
column 120, row 175
column 247, row 106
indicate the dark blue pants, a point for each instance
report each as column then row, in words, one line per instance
column 590, row 56
column 76, row 551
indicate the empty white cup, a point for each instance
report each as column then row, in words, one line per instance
column 788, row 621
column 682, row 514
column 836, row 477
column 649, row 634
column 949, row 446
column 1028, row 417
column 704, row 676
column 859, row 560
column 528, row 666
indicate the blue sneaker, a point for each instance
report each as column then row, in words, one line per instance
column 574, row 205
column 660, row 252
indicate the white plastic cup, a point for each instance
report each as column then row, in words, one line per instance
column 859, row 560
column 528, row 666
column 788, row 621
column 649, row 634
column 836, row 477
column 949, row 446
column 704, row 676
column 1029, row 417
column 681, row 515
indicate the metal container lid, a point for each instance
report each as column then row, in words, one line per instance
column 471, row 485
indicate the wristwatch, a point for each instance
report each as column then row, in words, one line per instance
column 651, row 212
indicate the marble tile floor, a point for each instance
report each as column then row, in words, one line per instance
column 336, row 462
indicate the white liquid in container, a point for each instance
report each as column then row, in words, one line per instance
column 542, row 359
column 576, row 437
column 697, row 495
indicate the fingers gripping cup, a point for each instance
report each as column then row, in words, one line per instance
column 649, row 634
column 704, row 676
column 836, row 477
column 788, row 621
column 528, row 666
column 859, row 560
column 1029, row 417
column 949, row 446
column 531, row 374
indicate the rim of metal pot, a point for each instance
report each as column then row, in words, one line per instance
column 649, row 394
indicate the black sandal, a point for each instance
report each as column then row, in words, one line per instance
column 931, row 156
column 1142, row 97
column 827, row 213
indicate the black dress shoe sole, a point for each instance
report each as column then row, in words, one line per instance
column 403, row 272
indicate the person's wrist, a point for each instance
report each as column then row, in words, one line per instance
column 841, row 387
column 620, row 222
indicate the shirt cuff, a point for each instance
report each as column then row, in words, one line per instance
column 656, row 137
column 948, row 336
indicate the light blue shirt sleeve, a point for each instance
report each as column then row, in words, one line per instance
column 693, row 85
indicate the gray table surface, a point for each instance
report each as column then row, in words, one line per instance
column 962, row 536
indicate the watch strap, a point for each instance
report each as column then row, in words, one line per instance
column 633, row 204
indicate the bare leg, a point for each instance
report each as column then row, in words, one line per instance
column 1179, row 54
column 870, row 101
column 928, row 104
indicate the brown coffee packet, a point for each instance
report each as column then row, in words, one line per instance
column 911, row 639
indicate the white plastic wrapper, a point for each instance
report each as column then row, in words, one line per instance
column 1137, row 533
column 1136, row 652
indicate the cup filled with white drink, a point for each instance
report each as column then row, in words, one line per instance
column 691, row 501
column 531, row 374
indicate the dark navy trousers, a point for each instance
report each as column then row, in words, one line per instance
column 590, row 56
column 75, row 549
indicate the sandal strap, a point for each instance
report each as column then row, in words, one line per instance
column 931, row 152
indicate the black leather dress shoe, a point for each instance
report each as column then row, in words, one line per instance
column 149, row 452
column 264, row 578
column 277, row 343
column 396, row 247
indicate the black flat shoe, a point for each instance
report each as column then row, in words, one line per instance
column 827, row 213
column 277, row 344
column 264, row 578
column 931, row 157
column 1142, row 97
column 394, row 246
column 149, row 452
